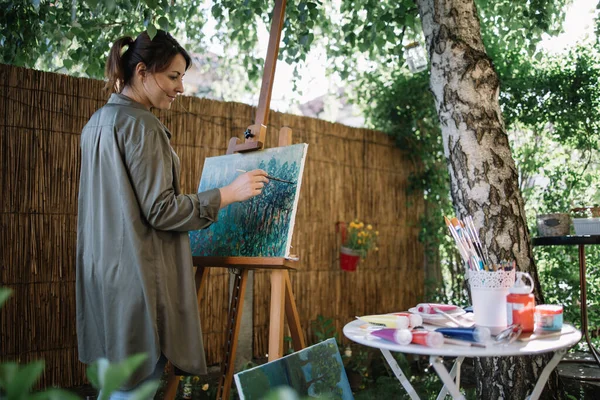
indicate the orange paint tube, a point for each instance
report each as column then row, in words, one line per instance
column 426, row 338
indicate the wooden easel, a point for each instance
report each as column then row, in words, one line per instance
column 283, row 303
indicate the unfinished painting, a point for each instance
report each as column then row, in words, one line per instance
column 314, row 372
column 263, row 225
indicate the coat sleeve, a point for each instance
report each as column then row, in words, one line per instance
column 150, row 163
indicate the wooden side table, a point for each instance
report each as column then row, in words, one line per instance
column 581, row 242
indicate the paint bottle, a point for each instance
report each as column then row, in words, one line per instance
column 549, row 317
column 474, row 334
column 398, row 336
column 520, row 303
column 427, row 338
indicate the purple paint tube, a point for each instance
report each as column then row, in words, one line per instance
column 398, row 336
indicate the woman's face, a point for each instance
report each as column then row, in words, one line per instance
column 161, row 88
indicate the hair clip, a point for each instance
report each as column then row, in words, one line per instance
column 124, row 49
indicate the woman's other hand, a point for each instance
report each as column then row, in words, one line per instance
column 244, row 187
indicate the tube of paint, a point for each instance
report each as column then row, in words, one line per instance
column 474, row 334
column 387, row 320
column 427, row 338
column 413, row 319
column 398, row 336
column 429, row 308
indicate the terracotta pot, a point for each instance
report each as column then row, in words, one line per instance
column 349, row 259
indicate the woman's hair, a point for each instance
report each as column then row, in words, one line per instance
column 126, row 53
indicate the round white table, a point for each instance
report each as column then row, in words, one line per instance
column 558, row 344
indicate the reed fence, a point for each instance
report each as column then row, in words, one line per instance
column 350, row 173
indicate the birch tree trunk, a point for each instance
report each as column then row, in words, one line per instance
column 484, row 180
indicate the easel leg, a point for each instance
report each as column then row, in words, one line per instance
column 173, row 380
column 276, row 316
column 201, row 276
column 172, row 383
column 232, row 332
column 291, row 313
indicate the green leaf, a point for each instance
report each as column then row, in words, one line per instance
column 151, row 29
column 111, row 376
column 8, row 370
column 5, row 293
column 54, row 394
column 68, row 64
column 163, row 22
column 110, row 5
column 23, row 380
column 152, row 3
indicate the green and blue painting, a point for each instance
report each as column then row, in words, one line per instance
column 263, row 225
column 316, row 371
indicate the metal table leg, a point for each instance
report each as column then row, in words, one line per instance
column 442, row 372
column 454, row 372
column 543, row 378
column 399, row 374
column 583, row 297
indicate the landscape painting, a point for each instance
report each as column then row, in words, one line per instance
column 263, row 225
column 316, row 372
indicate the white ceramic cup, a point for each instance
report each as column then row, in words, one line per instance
column 488, row 292
column 489, row 308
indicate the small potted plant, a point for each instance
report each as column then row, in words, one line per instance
column 357, row 240
column 586, row 220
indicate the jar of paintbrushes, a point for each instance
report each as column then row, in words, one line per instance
column 490, row 283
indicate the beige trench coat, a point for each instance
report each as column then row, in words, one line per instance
column 135, row 288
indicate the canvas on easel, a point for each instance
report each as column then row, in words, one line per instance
column 263, row 225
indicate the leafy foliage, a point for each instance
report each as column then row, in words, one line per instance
column 17, row 381
column 324, row 328
column 551, row 109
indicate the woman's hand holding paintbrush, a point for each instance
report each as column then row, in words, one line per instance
column 272, row 178
column 244, row 187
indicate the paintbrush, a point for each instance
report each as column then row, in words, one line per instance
column 271, row 178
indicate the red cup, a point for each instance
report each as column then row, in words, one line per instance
column 349, row 259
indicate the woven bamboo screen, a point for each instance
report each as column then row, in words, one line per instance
column 349, row 173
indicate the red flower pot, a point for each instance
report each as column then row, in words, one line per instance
column 349, row 259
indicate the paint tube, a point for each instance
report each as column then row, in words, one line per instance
column 474, row 334
column 429, row 308
column 387, row 320
column 398, row 336
column 413, row 319
column 427, row 338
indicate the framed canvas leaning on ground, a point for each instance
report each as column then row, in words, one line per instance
column 263, row 225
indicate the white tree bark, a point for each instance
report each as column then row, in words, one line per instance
column 484, row 180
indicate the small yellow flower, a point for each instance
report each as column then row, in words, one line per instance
column 353, row 225
column 196, row 379
column 361, row 225
column 377, row 233
column 369, row 227
column 205, row 387
column 376, row 248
